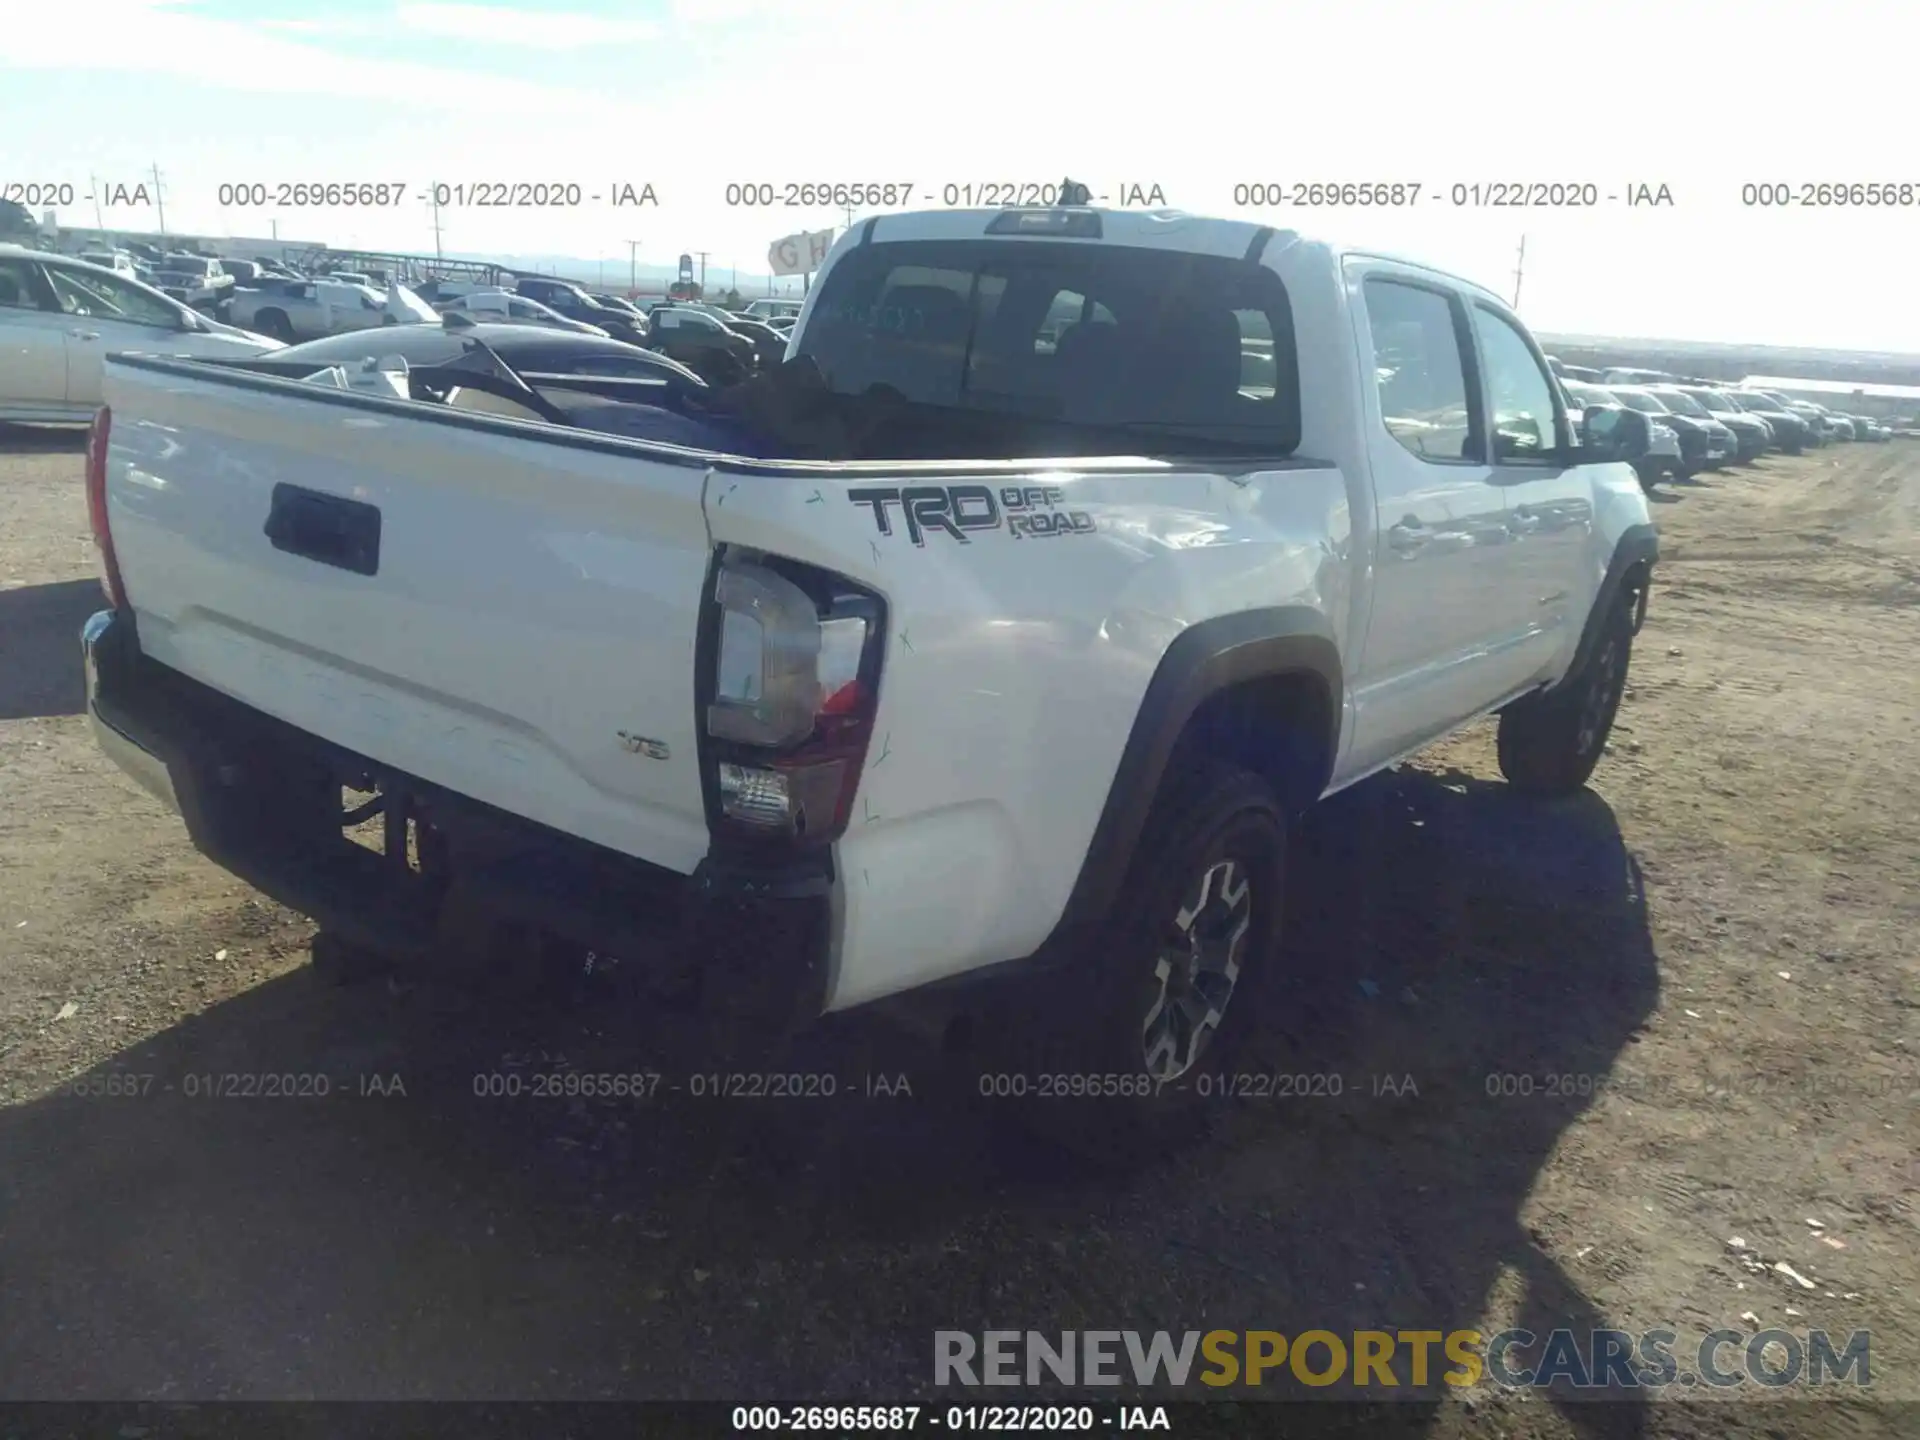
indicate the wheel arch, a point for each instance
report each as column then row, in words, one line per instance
column 1212, row 690
column 1629, row 571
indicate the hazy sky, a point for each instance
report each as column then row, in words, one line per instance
column 690, row 95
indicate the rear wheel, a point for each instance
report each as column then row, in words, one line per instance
column 1117, row 1068
column 275, row 325
column 1549, row 744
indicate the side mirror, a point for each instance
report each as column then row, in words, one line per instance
column 1610, row 433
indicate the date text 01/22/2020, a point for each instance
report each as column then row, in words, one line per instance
column 699, row 1085
column 951, row 195
column 905, row 1419
column 460, row 195
column 1206, row 1085
column 1461, row 195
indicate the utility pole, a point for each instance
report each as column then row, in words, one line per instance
column 633, row 268
column 158, row 200
column 94, row 182
column 433, row 194
column 703, row 272
column 1519, row 269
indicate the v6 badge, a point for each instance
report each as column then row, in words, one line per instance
column 641, row 745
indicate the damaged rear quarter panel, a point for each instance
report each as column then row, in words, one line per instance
column 1015, row 667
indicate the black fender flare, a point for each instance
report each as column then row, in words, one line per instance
column 1637, row 549
column 1205, row 659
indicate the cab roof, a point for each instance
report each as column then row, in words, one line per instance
column 1152, row 229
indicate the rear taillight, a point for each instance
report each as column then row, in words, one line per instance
column 97, row 439
column 791, row 687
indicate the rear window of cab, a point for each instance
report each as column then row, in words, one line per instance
column 1171, row 345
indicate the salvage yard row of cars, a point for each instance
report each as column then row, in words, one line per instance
column 61, row 314
column 223, row 306
column 1705, row 424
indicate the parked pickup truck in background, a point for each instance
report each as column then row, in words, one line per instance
column 198, row 281
column 291, row 310
column 1038, row 671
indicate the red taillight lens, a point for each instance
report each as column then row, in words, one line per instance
column 793, row 693
column 97, row 439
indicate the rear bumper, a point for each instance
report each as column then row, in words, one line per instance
column 126, row 750
column 261, row 800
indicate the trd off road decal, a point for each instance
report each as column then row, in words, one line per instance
column 1022, row 510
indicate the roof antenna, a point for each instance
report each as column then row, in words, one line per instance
column 1072, row 192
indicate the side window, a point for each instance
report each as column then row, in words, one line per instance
column 108, row 297
column 1420, row 372
column 1522, row 394
column 16, row 286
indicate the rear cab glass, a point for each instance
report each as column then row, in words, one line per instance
column 1074, row 348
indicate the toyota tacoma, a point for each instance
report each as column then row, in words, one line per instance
column 1021, row 665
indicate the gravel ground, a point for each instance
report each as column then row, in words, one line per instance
column 1713, row 947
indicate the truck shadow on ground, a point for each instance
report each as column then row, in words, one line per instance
column 455, row 1242
column 40, row 666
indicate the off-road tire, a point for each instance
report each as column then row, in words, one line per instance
column 1091, row 1020
column 1550, row 743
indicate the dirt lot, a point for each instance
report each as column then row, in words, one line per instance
column 1723, row 929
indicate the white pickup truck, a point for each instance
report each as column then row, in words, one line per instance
column 1040, row 675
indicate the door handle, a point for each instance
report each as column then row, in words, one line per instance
column 1408, row 536
column 84, row 334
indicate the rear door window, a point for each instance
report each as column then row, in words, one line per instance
column 1420, row 370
